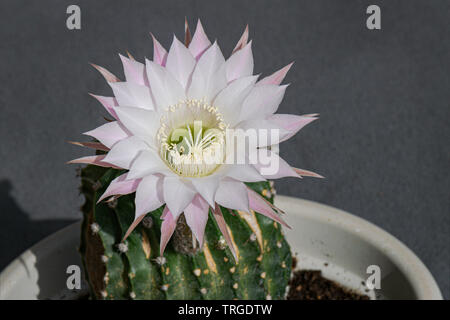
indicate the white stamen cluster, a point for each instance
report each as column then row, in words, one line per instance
column 192, row 138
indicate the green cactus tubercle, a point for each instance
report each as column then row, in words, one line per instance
column 133, row 269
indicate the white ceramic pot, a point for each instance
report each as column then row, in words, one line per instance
column 343, row 246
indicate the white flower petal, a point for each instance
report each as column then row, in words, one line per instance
column 147, row 162
column 230, row 100
column 177, row 195
column 180, row 62
column 200, row 41
column 165, row 89
column 124, row 151
column 140, row 122
column 109, row 133
column 240, row 64
column 134, row 71
column 262, row 101
column 149, row 194
column 207, row 187
column 196, row 214
column 209, row 75
column 244, row 173
column 132, row 95
column 232, row 194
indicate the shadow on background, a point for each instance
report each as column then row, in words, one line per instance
column 16, row 224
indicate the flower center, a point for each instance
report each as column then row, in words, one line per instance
column 192, row 138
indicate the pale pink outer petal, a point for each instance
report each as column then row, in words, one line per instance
column 147, row 162
column 218, row 216
column 196, row 214
column 291, row 123
column 167, row 228
column 94, row 160
column 260, row 205
column 262, row 101
column 200, row 41
column 240, row 64
column 207, row 187
column 149, row 195
column 307, row 173
column 242, row 41
column 109, row 134
column 177, row 195
column 105, row 73
column 92, row 145
column 180, row 62
column 159, row 53
column 232, row 194
column 277, row 77
column 134, row 71
column 120, row 186
column 125, row 151
column 108, row 103
column 133, row 226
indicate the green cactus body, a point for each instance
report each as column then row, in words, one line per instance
column 135, row 271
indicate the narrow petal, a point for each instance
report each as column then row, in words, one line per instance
column 242, row 41
column 167, row 228
column 149, row 194
column 267, row 132
column 133, row 226
column 262, row 101
column 92, row 145
column 159, row 53
column 180, row 62
column 196, row 214
column 232, row 194
column 120, row 186
column 94, row 160
column 177, row 195
column 109, row 133
column 140, row 122
column 187, row 33
column 105, row 73
column 123, row 153
column 217, row 214
column 200, row 41
column 134, row 71
column 277, row 77
column 108, row 103
column 291, row 123
column 306, row 173
column 131, row 94
column 260, row 205
column 147, row 162
column 240, row 64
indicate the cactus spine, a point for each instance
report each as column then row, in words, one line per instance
column 134, row 270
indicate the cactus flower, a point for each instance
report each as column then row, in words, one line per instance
column 168, row 128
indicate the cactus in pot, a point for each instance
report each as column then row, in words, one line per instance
column 169, row 212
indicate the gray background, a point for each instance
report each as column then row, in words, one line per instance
column 383, row 96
